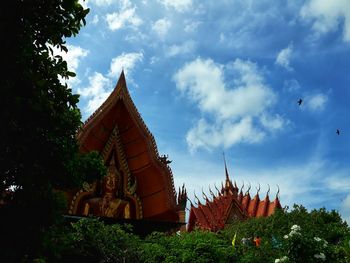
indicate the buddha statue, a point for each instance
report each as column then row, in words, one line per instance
column 108, row 205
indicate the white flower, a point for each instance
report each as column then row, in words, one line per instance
column 295, row 228
column 294, row 232
column 285, row 236
column 283, row 259
column 320, row 256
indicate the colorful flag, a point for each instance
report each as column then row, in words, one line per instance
column 234, row 240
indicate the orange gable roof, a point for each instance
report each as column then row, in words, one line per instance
column 155, row 186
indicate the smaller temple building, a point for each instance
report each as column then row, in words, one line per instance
column 228, row 205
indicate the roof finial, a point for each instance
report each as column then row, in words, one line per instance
column 226, row 172
column 204, row 195
column 195, row 196
column 258, row 189
column 122, row 74
column 217, row 189
column 247, row 192
column 211, row 192
column 190, row 201
column 268, row 191
column 242, row 187
column 278, row 192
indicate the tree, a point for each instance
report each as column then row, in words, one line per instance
column 39, row 120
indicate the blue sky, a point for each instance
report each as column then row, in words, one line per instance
column 226, row 75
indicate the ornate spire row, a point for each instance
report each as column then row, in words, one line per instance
column 229, row 204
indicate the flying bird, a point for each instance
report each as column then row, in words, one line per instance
column 300, row 101
column 338, row 132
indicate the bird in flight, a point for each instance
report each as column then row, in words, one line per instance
column 300, row 101
column 338, row 132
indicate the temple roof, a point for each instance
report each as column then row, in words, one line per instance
column 155, row 185
column 229, row 205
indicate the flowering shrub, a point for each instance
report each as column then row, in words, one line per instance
column 315, row 236
column 301, row 247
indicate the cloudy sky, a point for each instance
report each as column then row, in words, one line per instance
column 226, row 75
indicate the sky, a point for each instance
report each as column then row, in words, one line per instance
column 225, row 76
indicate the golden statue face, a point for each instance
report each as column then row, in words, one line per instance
column 110, row 182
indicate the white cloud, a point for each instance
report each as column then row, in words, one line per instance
column 222, row 38
column 345, row 208
column 208, row 135
column 273, row 123
column 284, row 56
column 316, row 102
column 327, row 15
column 291, row 85
column 191, row 26
column 339, row 182
column 97, row 92
column 178, row 5
column 125, row 17
column 100, row 86
column 126, row 62
column 203, row 80
column 161, row 27
column 102, row 3
column 73, row 58
column 234, row 108
column 95, row 20
column 184, row 48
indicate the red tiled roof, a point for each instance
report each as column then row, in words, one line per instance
column 215, row 213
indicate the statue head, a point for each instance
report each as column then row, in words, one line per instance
column 110, row 180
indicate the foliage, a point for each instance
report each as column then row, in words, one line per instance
column 196, row 246
column 39, row 119
column 90, row 240
column 298, row 235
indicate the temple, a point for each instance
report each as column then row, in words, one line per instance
column 228, row 205
column 139, row 182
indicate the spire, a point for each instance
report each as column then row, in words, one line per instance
column 122, row 75
column 226, row 172
column 121, row 83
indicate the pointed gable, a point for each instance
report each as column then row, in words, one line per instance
column 154, row 180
